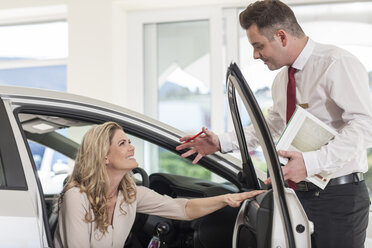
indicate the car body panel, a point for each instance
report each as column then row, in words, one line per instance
column 27, row 226
column 32, row 200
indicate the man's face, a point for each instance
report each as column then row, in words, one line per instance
column 271, row 52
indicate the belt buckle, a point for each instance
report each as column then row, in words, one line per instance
column 302, row 186
column 359, row 176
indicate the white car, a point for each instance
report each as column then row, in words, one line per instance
column 57, row 121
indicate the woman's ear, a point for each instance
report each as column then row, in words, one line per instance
column 106, row 160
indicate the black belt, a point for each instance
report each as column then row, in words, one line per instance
column 351, row 178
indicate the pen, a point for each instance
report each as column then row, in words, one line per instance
column 194, row 137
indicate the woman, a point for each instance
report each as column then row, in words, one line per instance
column 99, row 202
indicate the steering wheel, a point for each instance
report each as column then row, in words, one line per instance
column 132, row 241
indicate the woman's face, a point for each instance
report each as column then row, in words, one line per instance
column 121, row 153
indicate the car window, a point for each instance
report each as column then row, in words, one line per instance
column 52, row 167
column 257, row 156
column 157, row 159
column 54, row 150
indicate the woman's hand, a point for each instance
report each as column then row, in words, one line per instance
column 199, row 207
column 234, row 200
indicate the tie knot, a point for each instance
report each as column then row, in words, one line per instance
column 291, row 71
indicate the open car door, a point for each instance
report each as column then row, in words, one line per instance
column 275, row 218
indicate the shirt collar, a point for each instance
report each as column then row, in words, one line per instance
column 304, row 55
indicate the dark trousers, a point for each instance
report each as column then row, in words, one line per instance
column 339, row 213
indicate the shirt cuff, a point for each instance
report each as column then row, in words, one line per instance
column 311, row 163
column 225, row 142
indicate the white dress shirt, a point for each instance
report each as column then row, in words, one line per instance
column 334, row 85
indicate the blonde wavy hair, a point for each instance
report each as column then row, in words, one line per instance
column 91, row 177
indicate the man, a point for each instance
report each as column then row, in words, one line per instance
column 332, row 85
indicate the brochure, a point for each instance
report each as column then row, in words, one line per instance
column 303, row 133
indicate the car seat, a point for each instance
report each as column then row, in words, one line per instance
column 53, row 218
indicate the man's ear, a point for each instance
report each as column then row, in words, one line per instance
column 281, row 36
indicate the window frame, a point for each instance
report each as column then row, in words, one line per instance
column 131, row 128
column 136, row 62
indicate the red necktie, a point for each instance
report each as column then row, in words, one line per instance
column 291, row 93
column 291, row 105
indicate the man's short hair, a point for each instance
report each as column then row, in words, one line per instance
column 270, row 16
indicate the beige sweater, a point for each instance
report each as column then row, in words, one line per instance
column 72, row 231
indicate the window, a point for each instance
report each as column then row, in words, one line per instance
column 34, row 55
column 51, row 77
column 182, row 68
column 53, row 150
column 52, row 167
column 177, row 68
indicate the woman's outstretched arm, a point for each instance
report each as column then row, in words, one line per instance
column 199, row 207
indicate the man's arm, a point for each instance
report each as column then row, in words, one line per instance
column 347, row 86
column 229, row 142
column 209, row 142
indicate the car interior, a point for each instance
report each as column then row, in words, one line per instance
column 214, row 230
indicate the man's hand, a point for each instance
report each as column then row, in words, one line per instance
column 295, row 169
column 204, row 144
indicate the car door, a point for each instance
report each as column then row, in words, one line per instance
column 276, row 218
column 21, row 207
